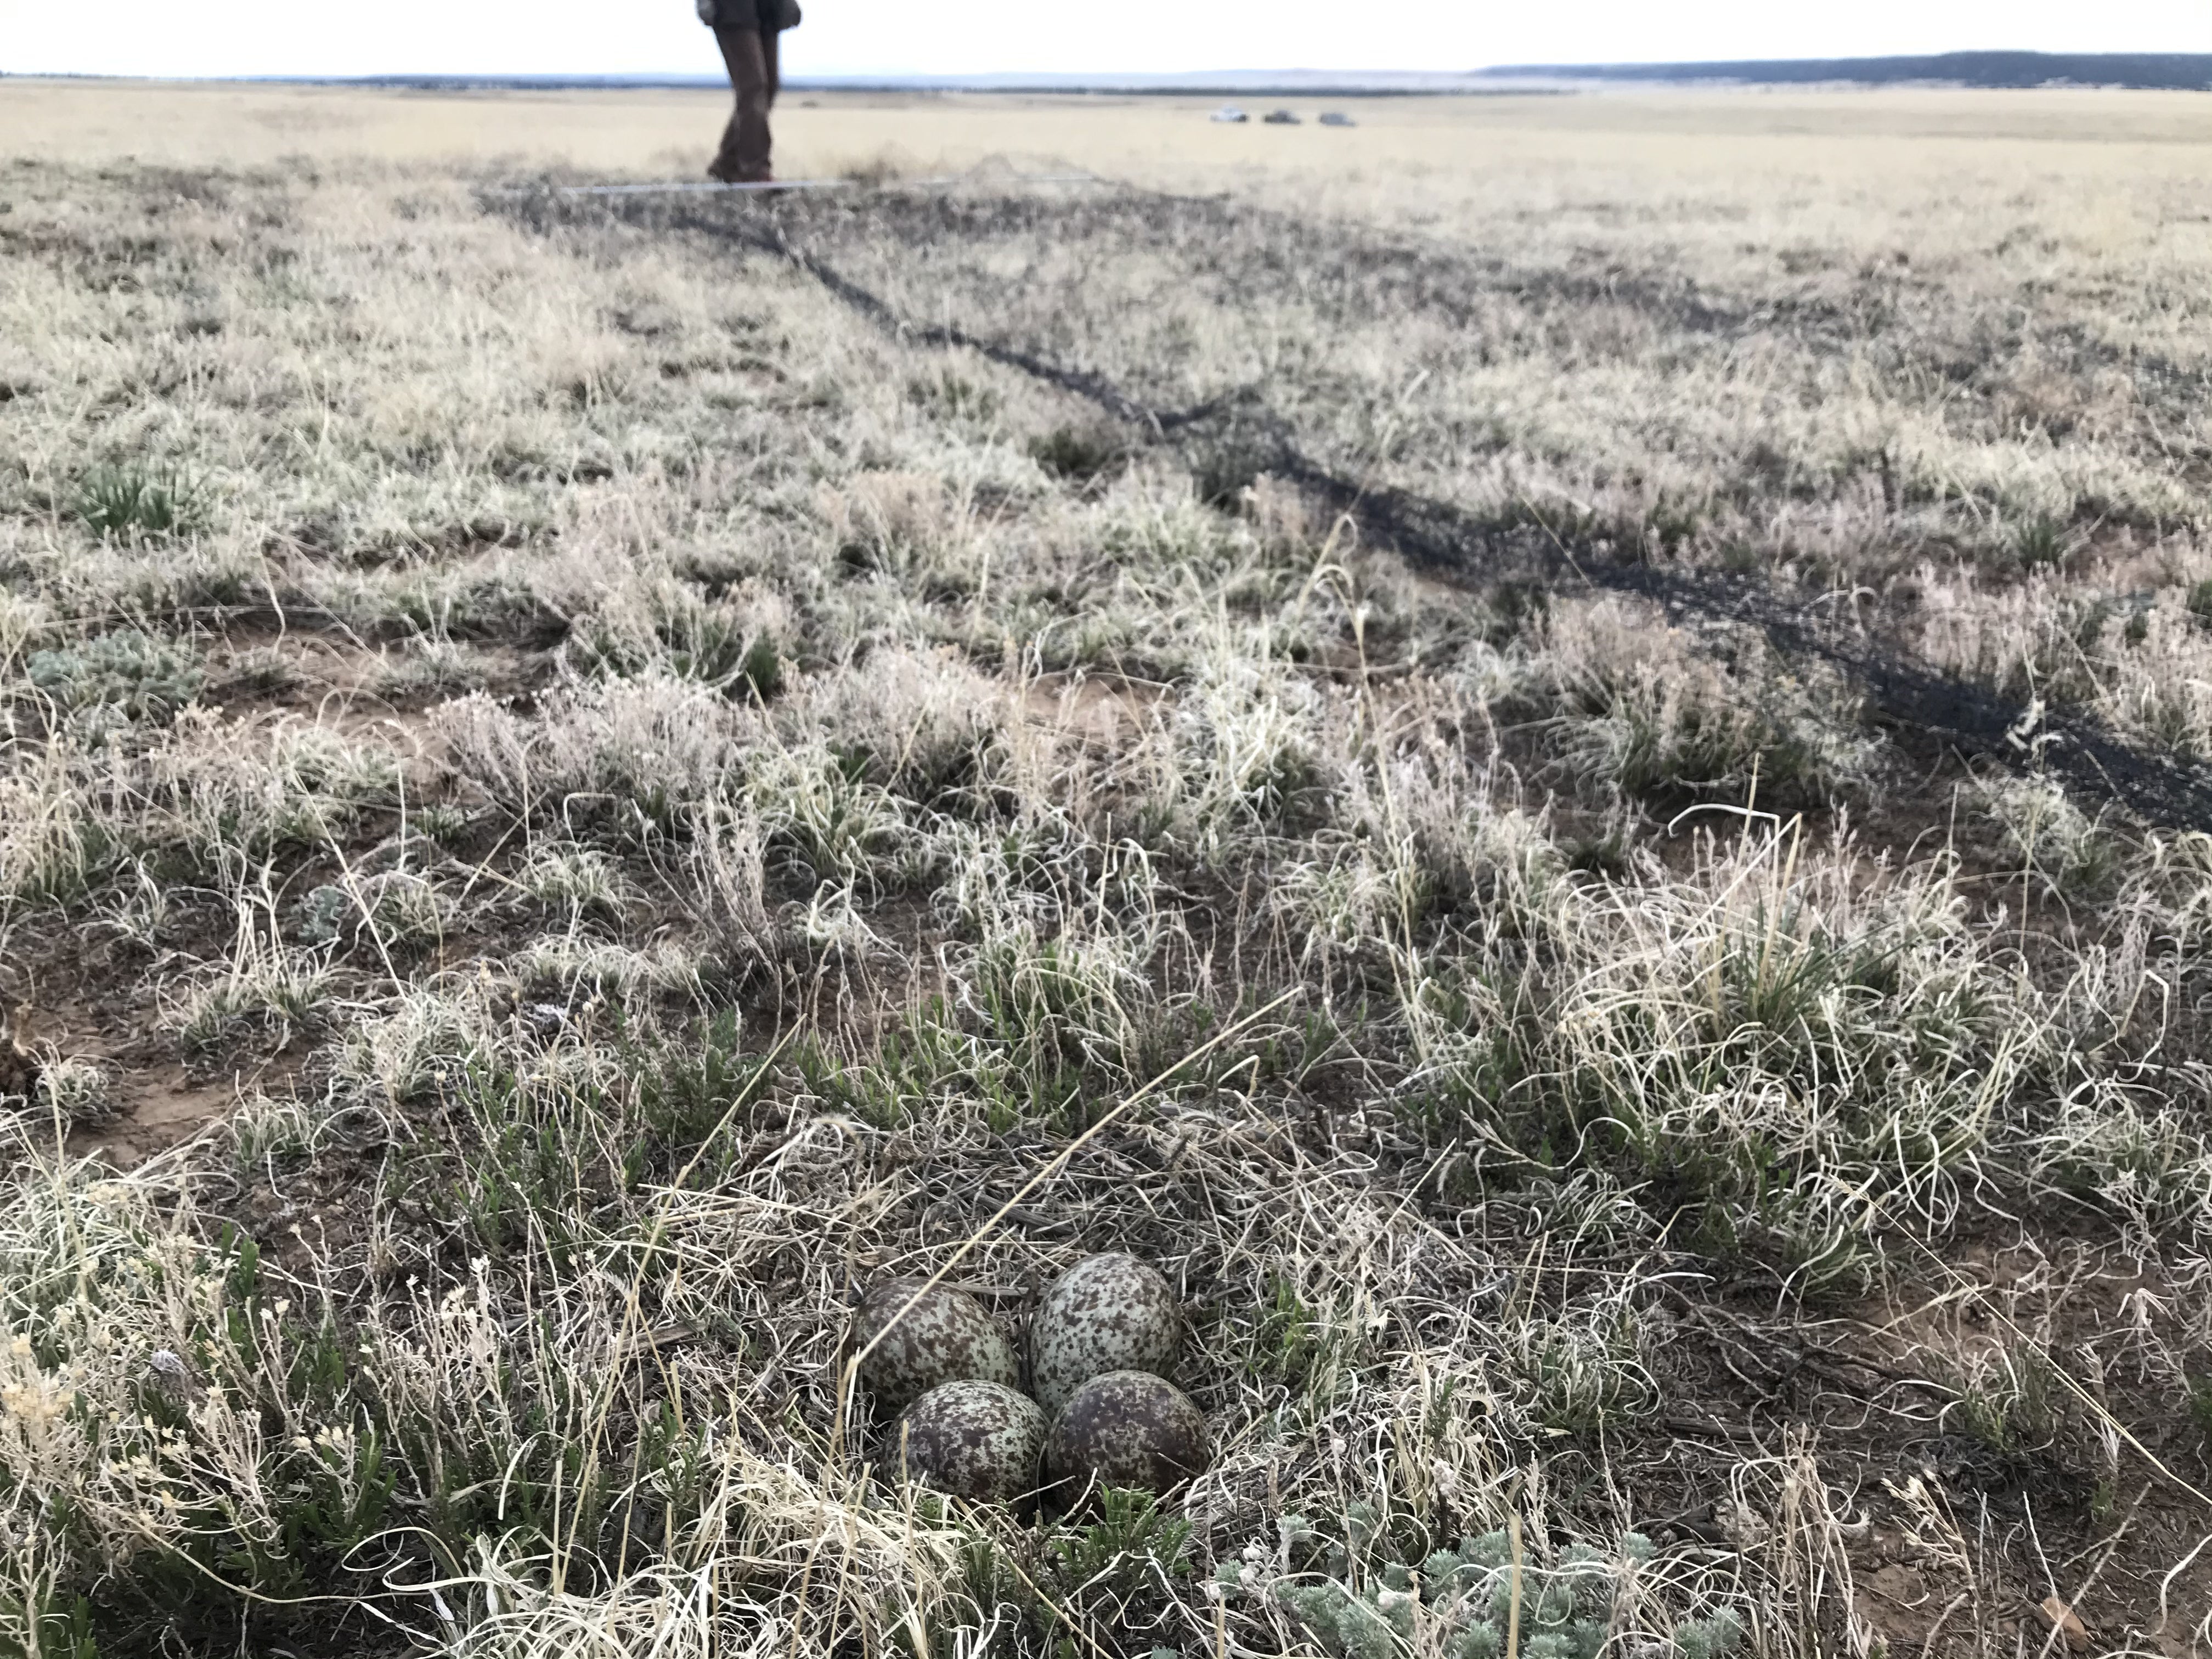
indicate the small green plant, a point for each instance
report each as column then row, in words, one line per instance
column 398, row 907
column 278, row 1004
column 441, row 823
column 1709, row 1639
column 563, row 876
column 144, row 677
column 2008, row 1400
column 2200, row 602
column 712, row 643
column 47, row 1631
column 1669, row 525
column 1061, row 998
column 1605, row 856
column 1079, row 454
column 2042, row 544
column 722, row 649
column 824, row 819
column 954, row 396
column 1581, row 1375
column 1129, row 1533
column 2200, row 1408
column 1477, row 1601
column 133, row 501
column 1113, row 1568
column 1289, row 1333
column 324, row 916
column 687, row 1093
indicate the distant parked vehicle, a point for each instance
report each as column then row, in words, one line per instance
column 1282, row 118
column 1230, row 112
column 1337, row 118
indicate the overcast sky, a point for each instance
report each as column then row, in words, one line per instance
column 863, row 37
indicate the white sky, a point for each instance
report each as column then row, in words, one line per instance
column 860, row 37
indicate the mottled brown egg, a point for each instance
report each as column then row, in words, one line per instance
column 1107, row 1313
column 975, row 1440
column 1126, row 1429
column 945, row 1337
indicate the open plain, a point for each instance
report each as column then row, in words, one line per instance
column 1558, row 748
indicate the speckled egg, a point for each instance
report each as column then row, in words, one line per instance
column 975, row 1440
column 1127, row 1429
column 945, row 1337
column 1108, row 1313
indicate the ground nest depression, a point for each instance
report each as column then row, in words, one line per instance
column 1575, row 807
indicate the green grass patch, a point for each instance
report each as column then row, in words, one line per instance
column 131, row 501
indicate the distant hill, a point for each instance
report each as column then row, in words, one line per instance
column 2169, row 71
column 1316, row 83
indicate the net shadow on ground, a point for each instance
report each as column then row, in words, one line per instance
column 1977, row 721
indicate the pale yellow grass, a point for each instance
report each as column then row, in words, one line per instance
column 2109, row 185
column 1850, row 141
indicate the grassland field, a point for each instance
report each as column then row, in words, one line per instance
column 1559, row 749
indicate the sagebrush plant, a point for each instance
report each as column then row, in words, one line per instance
column 667, row 784
column 142, row 675
column 1477, row 1600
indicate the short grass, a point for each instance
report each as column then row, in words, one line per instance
column 576, row 782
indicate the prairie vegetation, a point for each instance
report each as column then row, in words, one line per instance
column 1589, row 719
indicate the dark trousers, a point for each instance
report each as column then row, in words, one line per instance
column 751, row 56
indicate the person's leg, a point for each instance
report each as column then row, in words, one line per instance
column 743, row 157
column 772, row 59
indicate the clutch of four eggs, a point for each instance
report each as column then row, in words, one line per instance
column 1102, row 1411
